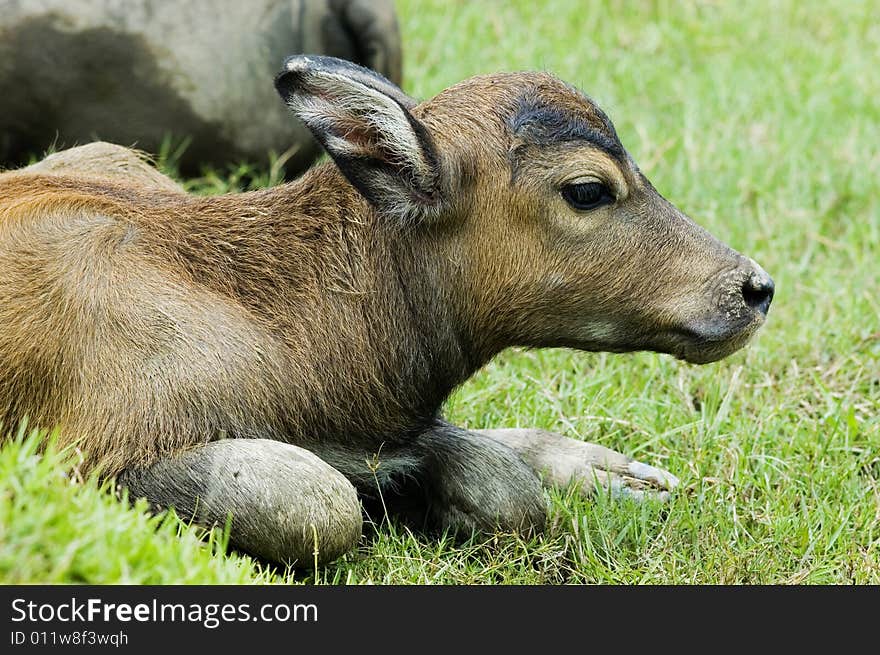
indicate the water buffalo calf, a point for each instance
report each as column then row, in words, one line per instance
column 284, row 354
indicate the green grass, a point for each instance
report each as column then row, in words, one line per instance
column 760, row 120
column 56, row 527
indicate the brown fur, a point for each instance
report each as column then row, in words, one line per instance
column 144, row 321
column 142, row 287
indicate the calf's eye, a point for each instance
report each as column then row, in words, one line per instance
column 587, row 195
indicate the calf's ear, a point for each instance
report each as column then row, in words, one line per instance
column 364, row 123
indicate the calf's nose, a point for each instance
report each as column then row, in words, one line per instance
column 758, row 289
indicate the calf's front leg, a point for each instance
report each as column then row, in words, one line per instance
column 562, row 461
column 287, row 504
column 479, row 485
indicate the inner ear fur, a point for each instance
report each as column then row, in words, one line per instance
column 365, row 124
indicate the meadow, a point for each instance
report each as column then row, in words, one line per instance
column 761, row 120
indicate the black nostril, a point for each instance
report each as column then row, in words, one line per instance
column 758, row 292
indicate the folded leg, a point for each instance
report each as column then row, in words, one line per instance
column 287, row 505
column 464, row 484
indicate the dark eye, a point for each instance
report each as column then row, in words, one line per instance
column 587, row 195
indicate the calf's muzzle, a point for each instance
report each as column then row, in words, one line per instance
column 758, row 289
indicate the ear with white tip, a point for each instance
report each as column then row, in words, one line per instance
column 364, row 123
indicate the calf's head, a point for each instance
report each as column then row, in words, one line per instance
column 535, row 225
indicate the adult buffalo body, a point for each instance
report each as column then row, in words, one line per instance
column 193, row 74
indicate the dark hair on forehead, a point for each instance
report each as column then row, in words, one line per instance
column 544, row 123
